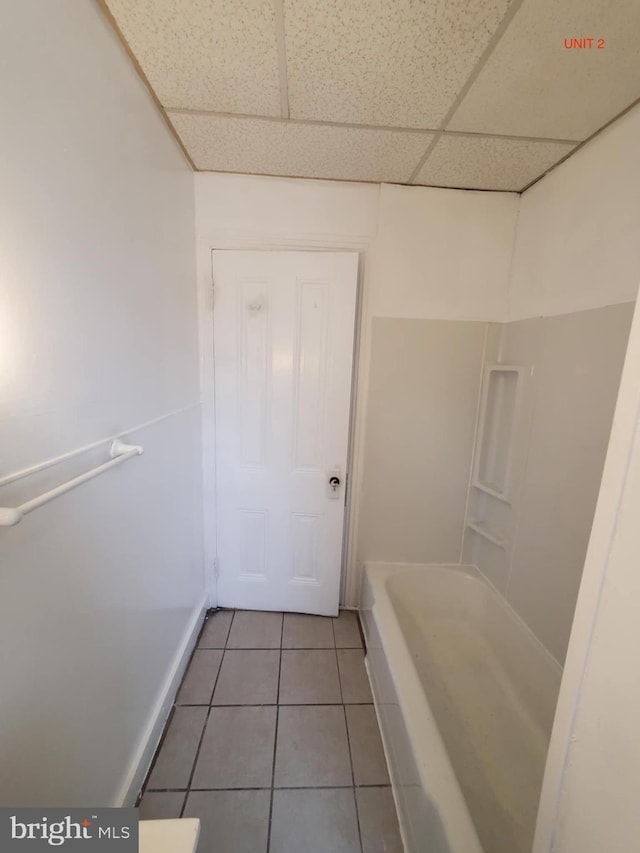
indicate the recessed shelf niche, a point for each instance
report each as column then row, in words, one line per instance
column 481, row 528
column 500, row 394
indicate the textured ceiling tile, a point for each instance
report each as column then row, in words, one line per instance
column 221, row 143
column 386, row 62
column 533, row 86
column 205, row 54
column 476, row 162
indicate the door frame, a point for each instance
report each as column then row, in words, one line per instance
column 350, row 572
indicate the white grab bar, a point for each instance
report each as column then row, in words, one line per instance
column 119, row 453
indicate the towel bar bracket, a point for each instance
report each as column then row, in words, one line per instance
column 119, row 452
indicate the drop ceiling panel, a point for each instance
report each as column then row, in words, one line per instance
column 533, row 86
column 383, row 62
column 216, row 55
column 261, row 146
column 477, row 162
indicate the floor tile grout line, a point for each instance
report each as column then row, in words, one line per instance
column 275, row 648
column 346, row 726
column 355, row 804
column 213, row 689
column 226, row 639
column 355, row 788
column 184, row 802
column 211, row 613
column 233, row 619
column 353, row 777
column 206, row 719
column 207, row 716
column 335, row 650
column 204, row 729
column 266, row 788
column 353, row 774
column 275, row 740
column 172, row 712
column 154, row 760
column 195, row 760
column 269, row 704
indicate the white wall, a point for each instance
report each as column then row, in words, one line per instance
column 98, row 335
column 262, row 209
column 577, row 241
column 427, row 254
column 442, row 254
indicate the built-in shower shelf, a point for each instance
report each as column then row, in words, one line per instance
column 481, row 529
column 501, row 389
column 493, row 491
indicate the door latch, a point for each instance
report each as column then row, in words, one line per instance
column 334, row 484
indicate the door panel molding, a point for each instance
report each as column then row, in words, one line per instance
column 219, row 238
column 284, row 330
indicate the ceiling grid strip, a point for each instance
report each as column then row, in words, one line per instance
column 356, row 126
column 282, row 58
column 493, row 43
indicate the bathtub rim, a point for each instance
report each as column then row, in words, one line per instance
column 473, row 574
column 437, row 776
column 422, row 729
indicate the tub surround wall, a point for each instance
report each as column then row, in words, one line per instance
column 573, row 364
column 423, row 392
column 100, row 589
column 589, row 798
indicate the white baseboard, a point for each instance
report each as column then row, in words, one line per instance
column 150, row 738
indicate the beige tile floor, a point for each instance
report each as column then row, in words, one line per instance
column 274, row 743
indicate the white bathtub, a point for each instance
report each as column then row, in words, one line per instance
column 465, row 696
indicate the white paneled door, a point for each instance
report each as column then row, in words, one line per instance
column 283, row 329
